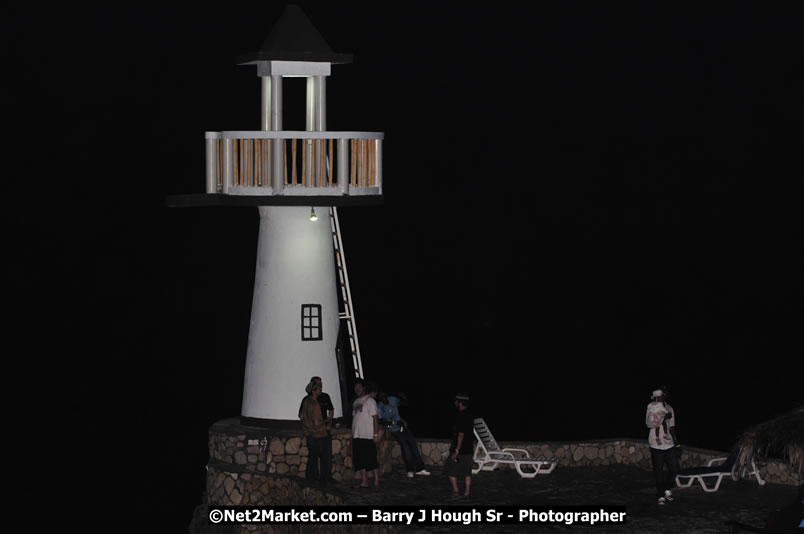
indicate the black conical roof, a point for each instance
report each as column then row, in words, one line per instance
column 294, row 38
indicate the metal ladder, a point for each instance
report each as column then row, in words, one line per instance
column 346, row 295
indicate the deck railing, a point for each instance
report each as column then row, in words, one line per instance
column 294, row 163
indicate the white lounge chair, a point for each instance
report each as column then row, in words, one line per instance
column 717, row 469
column 488, row 454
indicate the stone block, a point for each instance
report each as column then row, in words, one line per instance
column 293, row 459
column 276, row 447
column 282, row 468
column 293, row 445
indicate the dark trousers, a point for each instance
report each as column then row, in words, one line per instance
column 659, row 458
column 410, row 451
column 319, row 459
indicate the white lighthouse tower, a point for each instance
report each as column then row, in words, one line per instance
column 296, row 179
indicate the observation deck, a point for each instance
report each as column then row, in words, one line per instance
column 290, row 168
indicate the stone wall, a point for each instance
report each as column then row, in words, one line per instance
column 262, row 466
column 276, row 451
column 618, row 451
column 266, row 466
column 282, row 451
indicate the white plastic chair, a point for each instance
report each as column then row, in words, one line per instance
column 717, row 469
column 488, row 455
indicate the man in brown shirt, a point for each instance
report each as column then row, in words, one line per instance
column 319, row 457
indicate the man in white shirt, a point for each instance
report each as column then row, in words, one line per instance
column 661, row 421
column 365, row 433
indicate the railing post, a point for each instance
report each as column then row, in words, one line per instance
column 228, row 165
column 343, row 166
column 278, row 166
column 378, row 164
column 212, row 161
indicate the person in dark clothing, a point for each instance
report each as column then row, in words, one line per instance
column 459, row 461
column 319, row 460
column 388, row 412
column 327, row 412
column 324, row 400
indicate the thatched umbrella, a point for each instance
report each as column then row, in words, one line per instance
column 783, row 435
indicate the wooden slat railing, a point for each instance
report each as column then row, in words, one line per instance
column 307, row 162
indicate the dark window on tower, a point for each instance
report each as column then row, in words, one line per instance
column 311, row 322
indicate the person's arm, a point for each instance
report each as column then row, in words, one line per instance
column 376, row 421
column 458, row 445
column 317, row 421
column 671, row 426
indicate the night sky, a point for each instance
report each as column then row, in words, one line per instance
column 583, row 201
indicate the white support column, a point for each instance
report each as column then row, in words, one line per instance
column 309, row 125
column 320, row 121
column 320, row 103
column 265, row 103
column 277, row 147
column 276, row 103
column 309, row 105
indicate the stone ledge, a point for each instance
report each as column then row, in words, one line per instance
column 246, row 451
column 629, row 451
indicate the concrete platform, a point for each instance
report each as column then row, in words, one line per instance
column 693, row 510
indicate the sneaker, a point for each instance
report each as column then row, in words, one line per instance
column 668, row 495
column 661, row 500
column 410, row 474
column 423, row 472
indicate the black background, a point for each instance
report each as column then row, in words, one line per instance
column 583, row 201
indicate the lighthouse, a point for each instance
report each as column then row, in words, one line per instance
column 296, row 180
